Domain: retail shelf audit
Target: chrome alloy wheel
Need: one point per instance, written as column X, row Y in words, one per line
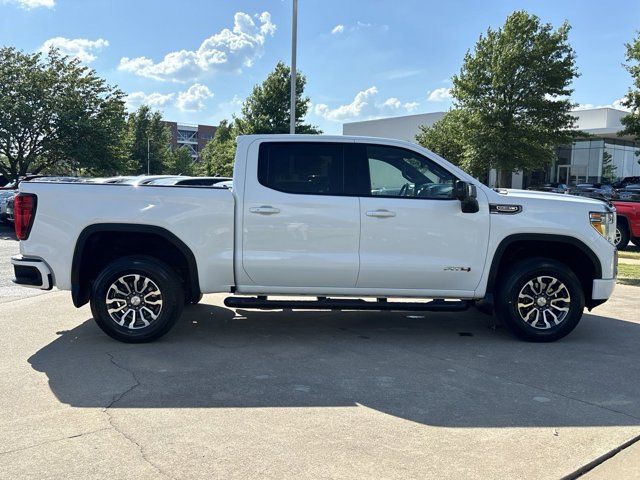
column 618, row 237
column 134, row 301
column 544, row 302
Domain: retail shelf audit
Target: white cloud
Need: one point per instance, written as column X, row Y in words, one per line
column 31, row 4
column 439, row 94
column 227, row 50
column 81, row 48
column 192, row 99
column 364, row 105
column 338, row 29
column 411, row 106
column 189, row 100
column 136, row 99
column 617, row 104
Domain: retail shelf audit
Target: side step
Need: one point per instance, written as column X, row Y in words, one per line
column 324, row 303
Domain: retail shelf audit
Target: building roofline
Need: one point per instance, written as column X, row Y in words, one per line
column 397, row 116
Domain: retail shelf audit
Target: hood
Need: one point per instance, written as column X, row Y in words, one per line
column 557, row 197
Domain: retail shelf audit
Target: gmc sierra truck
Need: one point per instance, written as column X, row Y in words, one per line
column 345, row 223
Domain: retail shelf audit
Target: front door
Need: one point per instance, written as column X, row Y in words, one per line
column 414, row 235
column 300, row 226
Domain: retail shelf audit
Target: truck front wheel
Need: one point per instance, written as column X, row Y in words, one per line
column 539, row 300
column 136, row 299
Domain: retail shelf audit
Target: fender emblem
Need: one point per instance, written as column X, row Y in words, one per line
column 457, row 269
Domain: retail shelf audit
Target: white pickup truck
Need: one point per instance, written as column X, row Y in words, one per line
column 346, row 223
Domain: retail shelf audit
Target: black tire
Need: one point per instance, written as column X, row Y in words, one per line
column 625, row 236
column 162, row 279
column 540, row 328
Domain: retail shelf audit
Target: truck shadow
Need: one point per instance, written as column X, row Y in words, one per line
column 449, row 369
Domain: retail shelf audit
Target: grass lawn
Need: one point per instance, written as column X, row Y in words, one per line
column 629, row 274
column 633, row 253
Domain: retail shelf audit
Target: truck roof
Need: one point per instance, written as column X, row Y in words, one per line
column 286, row 137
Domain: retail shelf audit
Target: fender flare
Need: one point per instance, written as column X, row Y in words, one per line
column 80, row 293
column 538, row 237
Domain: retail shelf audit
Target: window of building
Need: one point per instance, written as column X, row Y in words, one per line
column 397, row 172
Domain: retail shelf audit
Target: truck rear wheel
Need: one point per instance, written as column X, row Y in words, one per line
column 136, row 299
column 540, row 300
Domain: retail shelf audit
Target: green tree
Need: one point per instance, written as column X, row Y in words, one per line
column 631, row 122
column 57, row 115
column 146, row 131
column 608, row 167
column 514, row 90
column 218, row 155
column 267, row 109
column 445, row 137
column 180, row 162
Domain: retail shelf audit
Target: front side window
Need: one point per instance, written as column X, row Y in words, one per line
column 397, row 172
column 312, row 168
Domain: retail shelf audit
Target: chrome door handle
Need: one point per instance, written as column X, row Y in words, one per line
column 265, row 210
column 380, row 213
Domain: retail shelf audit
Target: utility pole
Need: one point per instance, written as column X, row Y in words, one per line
column 294, row 41
column 148, row 163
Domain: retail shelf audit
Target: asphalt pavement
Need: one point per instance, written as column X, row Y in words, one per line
column 352, row 395
column 8, row 248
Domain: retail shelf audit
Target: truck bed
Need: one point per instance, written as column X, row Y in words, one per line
column 202, row 217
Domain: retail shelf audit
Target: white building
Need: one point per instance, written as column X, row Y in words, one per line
column 582, row 161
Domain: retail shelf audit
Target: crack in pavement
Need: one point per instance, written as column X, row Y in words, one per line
column 111, row 419
column 77, row 435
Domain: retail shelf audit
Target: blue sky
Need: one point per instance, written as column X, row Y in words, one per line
column 196, row 60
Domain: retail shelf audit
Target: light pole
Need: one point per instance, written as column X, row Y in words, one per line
column 148, row 156
column 294, row 41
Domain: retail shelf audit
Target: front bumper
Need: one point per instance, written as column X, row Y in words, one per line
column 602, row 289
column 32, row 273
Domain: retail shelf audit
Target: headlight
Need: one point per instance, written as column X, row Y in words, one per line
column 604, row 223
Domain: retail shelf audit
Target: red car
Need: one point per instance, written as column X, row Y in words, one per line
column 628, row 227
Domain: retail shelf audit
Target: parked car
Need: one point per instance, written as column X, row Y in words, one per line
column 6, row 213
column 9, row 209
column 554, row 188
column 601, row 191
column 628, row 222
column 304, row 218
column 192, row 181
column 626, row 181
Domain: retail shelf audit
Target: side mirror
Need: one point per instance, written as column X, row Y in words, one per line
column 467, row 194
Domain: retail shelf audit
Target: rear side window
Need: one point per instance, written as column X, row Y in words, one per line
column 312, row 168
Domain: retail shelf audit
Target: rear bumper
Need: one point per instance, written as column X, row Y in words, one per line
column 602, row 289
column 32, row 272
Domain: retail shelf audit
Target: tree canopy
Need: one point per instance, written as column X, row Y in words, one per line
column 267, row 109
column 55, row 112
column 632, row 101
column 218, row 155
column 145, row 128
column 512, row 94
column 180, row 162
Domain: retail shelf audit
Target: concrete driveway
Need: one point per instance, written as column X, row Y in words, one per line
column 315, row 395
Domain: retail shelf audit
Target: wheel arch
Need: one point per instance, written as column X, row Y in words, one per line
column 180, row 255
column 568, row 250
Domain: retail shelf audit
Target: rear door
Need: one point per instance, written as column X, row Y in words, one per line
column 414, row 234
column 301, row 223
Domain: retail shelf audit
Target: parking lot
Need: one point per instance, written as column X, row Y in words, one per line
column 272, row 394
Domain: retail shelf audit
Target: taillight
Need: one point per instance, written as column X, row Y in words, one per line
column 24, row 211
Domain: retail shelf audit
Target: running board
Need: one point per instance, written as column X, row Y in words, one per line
column 324, row 303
